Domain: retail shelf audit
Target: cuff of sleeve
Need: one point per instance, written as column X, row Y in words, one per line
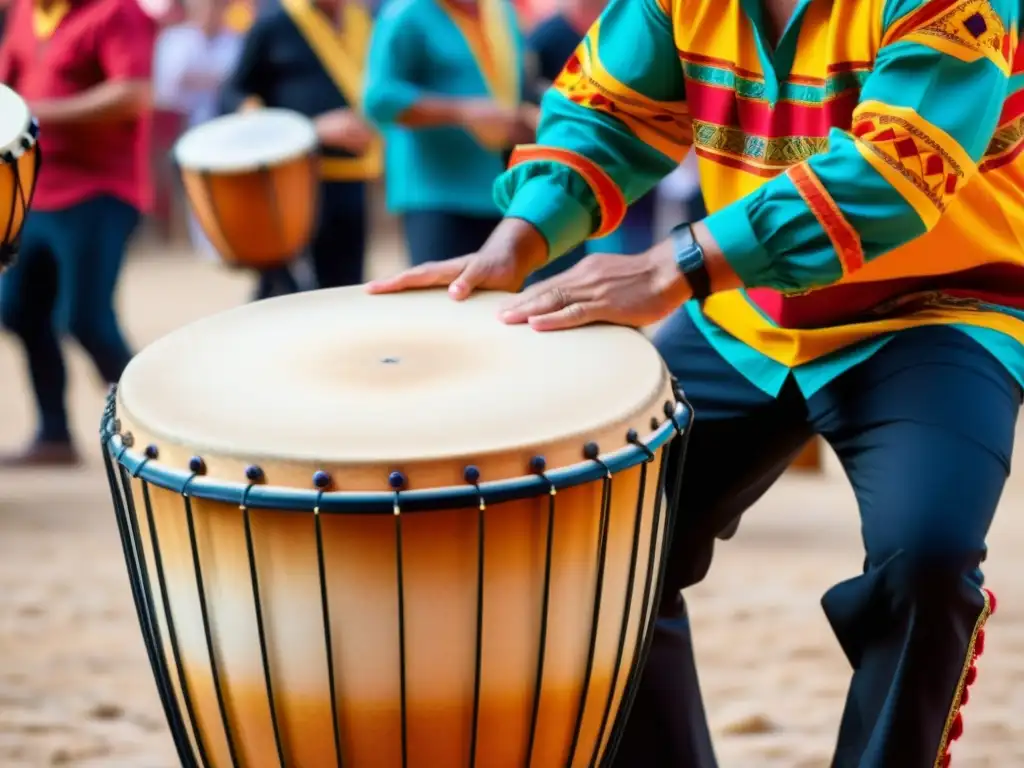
column 558, row 216
column 384, row 105
column 735, row 236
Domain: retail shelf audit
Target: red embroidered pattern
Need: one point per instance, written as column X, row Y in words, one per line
column 844, row 237
column 954, row 728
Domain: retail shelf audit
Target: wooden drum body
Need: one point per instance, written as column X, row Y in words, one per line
column 440, row 547
column 19, row 168
column 252, row 181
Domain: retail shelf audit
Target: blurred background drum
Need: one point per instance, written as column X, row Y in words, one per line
column 19, row 167
column 252, row 180
column 387, row 531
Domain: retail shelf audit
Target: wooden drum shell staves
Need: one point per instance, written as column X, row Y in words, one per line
column 252, row 181
column 19, row 167
column 331, row 572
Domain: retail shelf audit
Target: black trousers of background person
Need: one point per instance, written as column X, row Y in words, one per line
column 442, row 235
column 338, row 247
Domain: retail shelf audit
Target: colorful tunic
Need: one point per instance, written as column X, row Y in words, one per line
column 864, row 174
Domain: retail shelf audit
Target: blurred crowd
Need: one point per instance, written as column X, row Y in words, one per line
column 199, row 45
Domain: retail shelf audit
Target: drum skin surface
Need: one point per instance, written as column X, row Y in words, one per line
column 252, row 180
column 15, row 121
column 491, row 634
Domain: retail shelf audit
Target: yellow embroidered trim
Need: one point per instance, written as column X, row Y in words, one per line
column 665, row 126
column 339, row 56
column 968, row 30
column 492, row 46
column 46, row 20
column 921, row 161
column 362, row 168
column 954, row 709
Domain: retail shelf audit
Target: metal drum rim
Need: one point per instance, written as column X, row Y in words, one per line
column 256, row 496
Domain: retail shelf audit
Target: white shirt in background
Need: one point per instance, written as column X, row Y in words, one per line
column 682, row 184
column 184, row 53
column 189, row 69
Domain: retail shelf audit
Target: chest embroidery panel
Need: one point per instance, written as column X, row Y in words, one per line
column 735, row 124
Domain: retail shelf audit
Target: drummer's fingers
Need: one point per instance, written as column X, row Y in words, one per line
column 539, row 299
column 473, row 276
column 429, row 275
column 570, row 316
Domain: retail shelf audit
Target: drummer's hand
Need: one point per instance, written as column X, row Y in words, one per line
column 511, row 253
column 624, row 290
column 343, row 129
column 529, row 117
column 492, row 125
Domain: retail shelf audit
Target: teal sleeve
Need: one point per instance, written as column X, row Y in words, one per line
column 773, row 238
column 390, row 87
column 637, row 51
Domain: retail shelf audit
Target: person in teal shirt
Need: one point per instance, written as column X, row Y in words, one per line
column 447, row 97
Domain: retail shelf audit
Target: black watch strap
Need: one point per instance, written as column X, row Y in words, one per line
column 690, row 259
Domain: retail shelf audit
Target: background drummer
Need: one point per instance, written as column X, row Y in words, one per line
column 444, row 83
column 308, row 58
column 84, row 68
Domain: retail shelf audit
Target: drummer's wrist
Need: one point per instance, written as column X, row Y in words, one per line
column 521, row 239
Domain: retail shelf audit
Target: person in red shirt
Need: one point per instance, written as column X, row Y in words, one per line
column 83, row 66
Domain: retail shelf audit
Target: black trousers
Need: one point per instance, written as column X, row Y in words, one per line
column 924, row 429
column 63, row 283
column 443, row 235
column 338, row 247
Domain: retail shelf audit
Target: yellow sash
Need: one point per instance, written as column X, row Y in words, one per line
column 46, row 20
column 491, row 40
column 343, row 57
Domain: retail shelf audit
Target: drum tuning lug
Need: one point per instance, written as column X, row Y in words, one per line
column 591, row 451
column 127, row 439
column 152, row 451
column 471, row 474
column 116, row 425
column 321, row 479
column 253, row 473
column 538, row 464
column 670, row 408
column 197, row 466
column 654, row 422
column 396, row 480
column 632, row 436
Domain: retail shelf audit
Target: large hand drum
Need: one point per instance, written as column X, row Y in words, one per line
column 391, row 532
column 19, row 168
column 252, row 179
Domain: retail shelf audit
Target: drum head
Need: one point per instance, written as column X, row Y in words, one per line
column 245, row 141
column 14, row 119
column 345, row 378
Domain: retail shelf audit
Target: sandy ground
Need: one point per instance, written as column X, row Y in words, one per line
column 75, row 689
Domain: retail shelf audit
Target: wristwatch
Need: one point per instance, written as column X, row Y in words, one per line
column 690, row 260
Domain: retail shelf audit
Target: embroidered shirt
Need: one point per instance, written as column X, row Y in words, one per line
column 864, row 175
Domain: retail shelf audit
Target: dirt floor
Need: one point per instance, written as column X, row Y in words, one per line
column 75, row 689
